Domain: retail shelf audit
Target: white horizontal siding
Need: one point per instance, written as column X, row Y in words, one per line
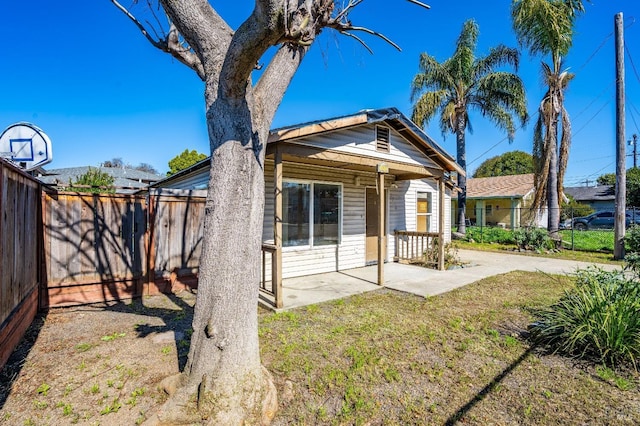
column 350, row 253
column 361, row 140
column 402, row 209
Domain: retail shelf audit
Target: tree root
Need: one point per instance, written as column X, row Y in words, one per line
column 239, row 404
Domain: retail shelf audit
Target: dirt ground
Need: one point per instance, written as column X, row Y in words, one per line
column 108, row 361
column 380, row 358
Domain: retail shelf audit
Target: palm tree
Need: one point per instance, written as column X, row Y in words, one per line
column 545, row 27
column 464, row 82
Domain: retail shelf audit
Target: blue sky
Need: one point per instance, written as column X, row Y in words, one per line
column 85, row 75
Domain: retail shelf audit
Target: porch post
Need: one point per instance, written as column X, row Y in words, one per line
column 441, row 210
column 382, row 169
column 276, row 260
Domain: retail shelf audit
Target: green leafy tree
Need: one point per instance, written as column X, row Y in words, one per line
column 464, row 82
column 94, row 181
column 545, row 27
column 184, row 160
column 633, row 184
column 509, row 163
column 573, row 208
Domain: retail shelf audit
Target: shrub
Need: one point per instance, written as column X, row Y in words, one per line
column 431, row 255
column 632, row 261
column 632, row 239
column 574, row 209
column 94, row 181
column 598, row 319
column 532, row 238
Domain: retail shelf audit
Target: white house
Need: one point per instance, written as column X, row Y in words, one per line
column 323, row 183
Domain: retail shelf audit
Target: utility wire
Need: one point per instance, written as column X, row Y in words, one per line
column 633, row 117
column 633, row 65
column 606, row 89
column 595, row 52
column 591, row 119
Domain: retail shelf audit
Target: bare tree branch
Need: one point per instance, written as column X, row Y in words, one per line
column 203, row 30
column 358, row 39
column 419, row 3
column 275, row 79
column 143, row 30
column 170, row 44
column 342, row 28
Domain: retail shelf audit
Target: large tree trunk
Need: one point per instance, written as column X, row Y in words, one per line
column 223, row 382
column 462, row 180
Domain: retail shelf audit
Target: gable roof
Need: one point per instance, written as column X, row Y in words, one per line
column 500, row 186
column 390, row 116
column 591, row 193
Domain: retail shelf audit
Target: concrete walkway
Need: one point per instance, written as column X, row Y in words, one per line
column 312, row 289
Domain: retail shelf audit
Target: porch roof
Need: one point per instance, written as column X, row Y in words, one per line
column 287, row 137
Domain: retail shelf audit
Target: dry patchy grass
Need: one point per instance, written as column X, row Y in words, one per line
column 379, row 358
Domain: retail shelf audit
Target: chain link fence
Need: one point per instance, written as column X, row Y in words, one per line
column 580, row 229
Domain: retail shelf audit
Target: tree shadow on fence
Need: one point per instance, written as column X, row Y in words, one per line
column 97, row 249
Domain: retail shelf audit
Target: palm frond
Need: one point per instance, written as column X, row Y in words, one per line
column 544, row 27
column 565, row 145
column 498, row 56
column 463, row 59
column 431, row 76
column 448, row 118
column 541, row 161
column 428, row 105
column 505, row 89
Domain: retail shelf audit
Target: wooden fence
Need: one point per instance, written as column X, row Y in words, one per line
column 95, row 247
column 19, row 255
column 87, row 248
column 175, row 239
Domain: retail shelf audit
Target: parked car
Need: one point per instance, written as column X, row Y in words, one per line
column 600, row 220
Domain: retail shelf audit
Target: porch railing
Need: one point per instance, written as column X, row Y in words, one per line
column 269, row 288
column 411, row 245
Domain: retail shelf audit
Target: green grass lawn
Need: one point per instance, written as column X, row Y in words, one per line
column 582, row 256
column 391, row 358
column 596, row 241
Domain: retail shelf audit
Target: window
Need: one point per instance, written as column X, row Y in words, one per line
column 326, row 214
column 487, row 210
column 310, row 209
column 423, row 212
column 382, row 138
column 295, row 212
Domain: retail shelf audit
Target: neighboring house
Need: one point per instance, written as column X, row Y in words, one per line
column 601, row 197
column 126, row 181
column 501, row 201
column 330, row 174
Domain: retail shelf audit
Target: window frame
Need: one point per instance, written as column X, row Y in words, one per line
column 429, row 213
column 310, row 219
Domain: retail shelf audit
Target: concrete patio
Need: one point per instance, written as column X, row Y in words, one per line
column 312, row 289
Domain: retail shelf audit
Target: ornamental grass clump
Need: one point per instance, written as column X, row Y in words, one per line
column 599, row 319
